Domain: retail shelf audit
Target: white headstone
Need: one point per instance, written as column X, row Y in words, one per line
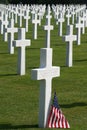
column 69, row 38
column 35, row 21
column 73, row 15
column 79, row 26
column 1, row 19
column 45, row 74
column 20, row 14
column 5, row 25
column 68, row 16
column 16, row 14
column 83, row 21
column 11, row 30
column 60, row 21
column 48, row 27
column 21, row 43
column 26, row 17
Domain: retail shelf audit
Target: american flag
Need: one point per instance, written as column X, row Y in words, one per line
column 56, row 119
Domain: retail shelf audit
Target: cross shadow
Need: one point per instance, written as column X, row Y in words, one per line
column 13, row 127
column 33, row 48
column 80, row 104
column 58, row 44
column 80, row 60
column 4, row 53
column 2, row 75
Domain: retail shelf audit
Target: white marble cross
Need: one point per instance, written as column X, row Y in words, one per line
column 21, row 43
column 79, row 26
column 16, row 14
column 11, row 30
column 35, row 21
column 82, row 19
column 68, row 15
column 73, row 15
column 60, row 21
column 1, row 19
column 48, row 27
column 33, row 15
column 45, row 74
column 69, row 38
column 20, row 14
column 26, row 17
column 5, row 25
column 40, row 16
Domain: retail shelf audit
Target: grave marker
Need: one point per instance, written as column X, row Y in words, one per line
column 69, row 38
column 68, row 16
column 11, row 30
column 26, row 17
column 45, row 74
column 21, row 43
column 48, row 27
column 60, row 21
column 5, row 25
column 79, row 26
column 35, row 21
column 20, row 14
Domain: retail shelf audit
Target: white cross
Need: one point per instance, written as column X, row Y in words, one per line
column 79, row 26
column 40, row 17
column 11, row 30
column 82, row 19
column 26, row 17
column 69, row 38
column 33, row 15
column 5, row 25
column 20, row 14
column 68, row 15
column 60, row 20
column 21, row 43
column 1, row 19
column 16, row 14
column 48, row 28
column 73, row 14
column 45, row 74
column 35, row 22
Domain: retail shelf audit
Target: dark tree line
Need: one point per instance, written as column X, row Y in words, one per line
column 44, row 1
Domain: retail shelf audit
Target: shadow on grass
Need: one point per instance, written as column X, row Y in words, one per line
column 57, row 44
column 76, row 104
column 8, row 75
column 4, row 53
column 13, row 127
column 80, row 60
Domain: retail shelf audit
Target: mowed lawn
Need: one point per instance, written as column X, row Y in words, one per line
column 19, row 95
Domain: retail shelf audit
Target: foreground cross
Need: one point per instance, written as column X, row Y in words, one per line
column 45, row 74
column 69, row 38
column 21, row 43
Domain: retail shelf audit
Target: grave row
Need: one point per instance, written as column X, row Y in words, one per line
column 11, row 14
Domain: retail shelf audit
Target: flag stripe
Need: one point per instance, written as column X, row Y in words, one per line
column 56, row 118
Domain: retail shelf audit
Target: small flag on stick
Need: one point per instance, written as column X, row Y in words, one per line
column 56, row 119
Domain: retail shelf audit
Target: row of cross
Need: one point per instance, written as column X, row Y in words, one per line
column 46, row 71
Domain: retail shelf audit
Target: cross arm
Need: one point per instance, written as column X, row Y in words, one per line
column 9, row 30
column 20, row 43
column 45, row 73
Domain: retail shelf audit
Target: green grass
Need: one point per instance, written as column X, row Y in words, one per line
column 19, row 95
